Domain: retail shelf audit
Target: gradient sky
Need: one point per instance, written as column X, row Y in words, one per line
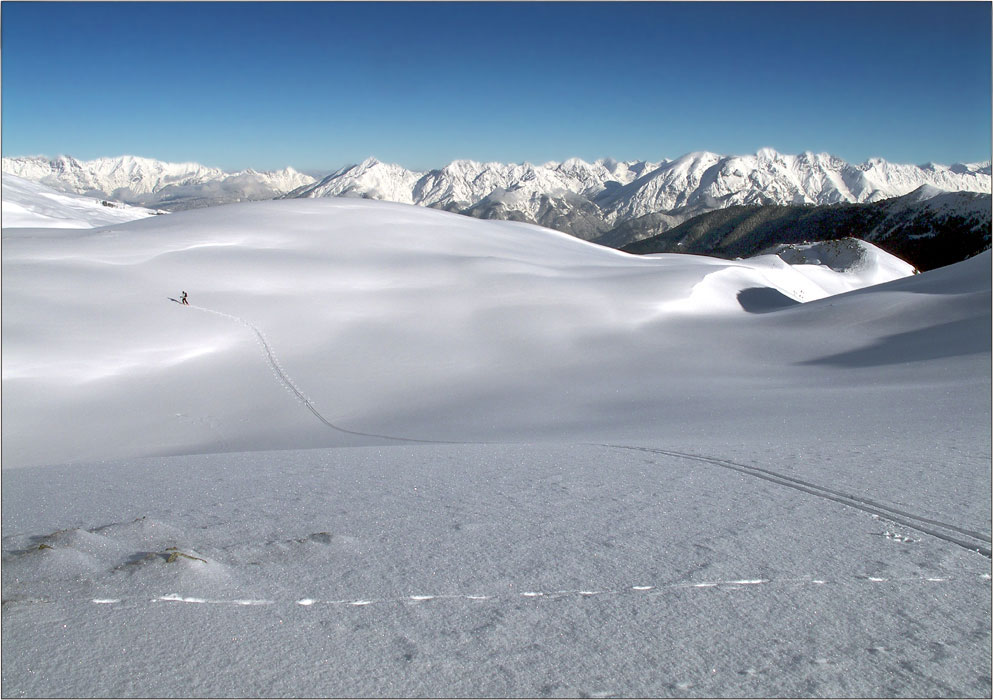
column 320, row 85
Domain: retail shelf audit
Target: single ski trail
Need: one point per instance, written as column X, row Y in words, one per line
column 273, row 361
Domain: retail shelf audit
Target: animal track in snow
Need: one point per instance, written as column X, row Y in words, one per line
column 897, row 537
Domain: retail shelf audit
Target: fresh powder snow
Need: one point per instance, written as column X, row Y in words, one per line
column 390, row 451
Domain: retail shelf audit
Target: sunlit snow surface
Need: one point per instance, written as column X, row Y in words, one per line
column 653, row 476
column 29, row 204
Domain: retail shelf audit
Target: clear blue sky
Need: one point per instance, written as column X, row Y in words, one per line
column 319, row 85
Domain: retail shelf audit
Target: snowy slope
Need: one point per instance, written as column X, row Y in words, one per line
column 420, row 455
column 423, row 308
column 936, row 202
column 28, row 204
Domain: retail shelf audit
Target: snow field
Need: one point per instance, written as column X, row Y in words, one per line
column 440, row 565
column 680, row 485
column 399, row 315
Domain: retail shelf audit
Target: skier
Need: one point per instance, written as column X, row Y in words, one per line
column 182, row 299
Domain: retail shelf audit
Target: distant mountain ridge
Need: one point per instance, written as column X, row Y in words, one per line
column 584, row 199
column 153, row 183
column 930, row 215
column 590, row 199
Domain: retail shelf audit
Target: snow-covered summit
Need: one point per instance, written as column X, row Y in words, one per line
column 370, row 179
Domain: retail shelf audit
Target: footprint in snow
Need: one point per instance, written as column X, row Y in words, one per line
column 897, row 537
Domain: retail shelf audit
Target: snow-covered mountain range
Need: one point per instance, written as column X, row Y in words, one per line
column 584, row 199
column 153, row 183
column 589, row 199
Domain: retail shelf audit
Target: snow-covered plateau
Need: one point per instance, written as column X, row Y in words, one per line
column 396, row 452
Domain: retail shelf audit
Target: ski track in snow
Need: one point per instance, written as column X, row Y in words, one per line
column 277, row 369
column 968, row 539
column 644, row 592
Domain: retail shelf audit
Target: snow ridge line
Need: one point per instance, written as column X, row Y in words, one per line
column 975, row 542
column 642, row 591
column 289, row 385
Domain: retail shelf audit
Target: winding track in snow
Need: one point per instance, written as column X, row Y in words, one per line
column 969, row 539
column 286, row 381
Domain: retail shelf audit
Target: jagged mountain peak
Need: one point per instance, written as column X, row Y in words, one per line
column 370, row 162
column 768, row 153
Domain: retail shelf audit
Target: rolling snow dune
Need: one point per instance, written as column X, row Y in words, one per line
column 382, row 318
column 393, row 452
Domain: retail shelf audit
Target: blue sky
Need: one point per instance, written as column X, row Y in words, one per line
column 320, row 85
